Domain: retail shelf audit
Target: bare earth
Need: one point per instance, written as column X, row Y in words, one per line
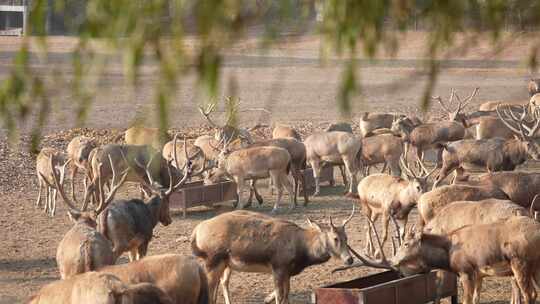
column 288, row 80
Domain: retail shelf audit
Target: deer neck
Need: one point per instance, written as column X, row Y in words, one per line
column 435, row 251
column 154, row 205
column 316, row 250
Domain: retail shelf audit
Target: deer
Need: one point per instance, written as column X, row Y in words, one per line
column 387, row 196
column 335, row 147
column 226, row 132
column 98, row 288
column 519, row 187
column 533, row 86
column 380, row 123
column 431, row 202
column 141, row 136
column 254, row 163
column 180, row 277
column 253, row 242
column 45, row 173
column 83, row 248
column 129, row 224
column 297, row 151
column 495, row 154
column 284, row 131
column 383, row 148
column 127, row 156
column 194, row 155
column 507, row 247
column 343, row 127
column 78, row 150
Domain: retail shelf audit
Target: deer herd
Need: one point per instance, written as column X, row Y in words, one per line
column 474, row 226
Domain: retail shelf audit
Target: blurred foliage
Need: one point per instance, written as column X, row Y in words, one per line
column 157, row 30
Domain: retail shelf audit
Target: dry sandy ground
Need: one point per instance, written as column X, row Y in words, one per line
column 290, row 81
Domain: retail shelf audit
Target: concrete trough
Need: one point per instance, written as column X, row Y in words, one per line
column 389, row 288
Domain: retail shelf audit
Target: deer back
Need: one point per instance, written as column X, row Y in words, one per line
column 283, row 131
column 437, row 132
column 296, row 149
column 180, row 277
column 257, row 160
column 373, row 121
column 379, row 148
column 332, row 145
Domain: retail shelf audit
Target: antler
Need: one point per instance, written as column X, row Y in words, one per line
column 345, row 221
column 206, row 113
column 104, row 202
column 463, row 104
column 450, row 101
column 508, row 117
column 58, row 184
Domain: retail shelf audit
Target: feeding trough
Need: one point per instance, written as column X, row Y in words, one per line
column 196, row 194
column 389, row 288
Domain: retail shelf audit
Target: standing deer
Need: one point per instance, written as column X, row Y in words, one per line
column 431, row 202
column 343, row 127
column 98, row 288
column 335, row 147
column 520, row 187
column 180, row 277
column 253, row 242
column 495, row 154
column 78, row 150
column 129, row 224
column 503, row 248
column 83, row 248
column 384, row 148
column 390, row 196
column 284, row 131
column 254, row 163
column 45, row 173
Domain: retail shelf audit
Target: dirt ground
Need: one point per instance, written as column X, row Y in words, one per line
column 290, row 81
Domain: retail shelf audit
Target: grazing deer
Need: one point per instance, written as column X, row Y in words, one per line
column 45, row 173
column 336, row 148
column 431, row 202
column 495, row 154
column 284, row 131
column 226, row 132
column 98, row 288
column 211, row 147
column 83, row 248
column 390, row 196
column 129, row 224
column 297, row 150
column 254, row 163
column 180, row 277
column 503, row 248
column 384, row 148
column 253, row 242
column 78, row 150
column 141, row 136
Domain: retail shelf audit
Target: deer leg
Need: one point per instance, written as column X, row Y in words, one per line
column 516, row 294
column 522, row 275
column 285, row 182
column 240, row 182
column 477, row 289
column 343, row 175
column 53, row 201
column 142, row 250
column 257, row 195
column 304, row 187
column 47, row 197
column 385, row 221
column 281, row 286
column 214, row 275
column 384, row 166
column 133, row 254
column 316, row 166
column 351, row 170
column 271, row 186
column 225, row 279
column 468, row 287
column 40, row 187
column 275, row 176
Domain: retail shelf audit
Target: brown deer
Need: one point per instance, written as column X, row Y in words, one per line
column 78, row 150
column 431, row 202
column 502, row 248
column 254, row 163
column 519, row 187
column 373, row 121
column 253, row 242
column 343, row 127
column 384, row 148
column 284, row 131
column 141, row 136
column 297, row 150
column 83, row 248
column 129, row 224
column 336, row 148
column 494, row 154
column 45, row 173
column 386, row 196
column 193, row 155
column 180, row 277
column 98, row 288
